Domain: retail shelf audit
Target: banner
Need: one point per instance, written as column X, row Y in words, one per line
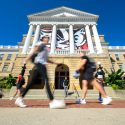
column 63, row 38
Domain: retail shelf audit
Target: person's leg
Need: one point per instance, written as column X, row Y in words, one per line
column 84, row 92
column 54, row 103
column 106, row 99
column 65, row 91
column 19, row 101
column 84, row 88
column 31, row 81
column 99, row 87
column 43, row 71
column 14, row 95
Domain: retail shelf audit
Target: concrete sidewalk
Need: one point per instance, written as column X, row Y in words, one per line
column 75, row 116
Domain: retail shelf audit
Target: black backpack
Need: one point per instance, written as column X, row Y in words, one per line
column 90, row 65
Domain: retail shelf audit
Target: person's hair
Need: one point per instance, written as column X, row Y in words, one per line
column 82, row 54
column 45, row 37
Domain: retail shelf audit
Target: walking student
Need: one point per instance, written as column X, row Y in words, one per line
column 87, row 67
column 100, row 75
column 20, row 82
column 39, row 57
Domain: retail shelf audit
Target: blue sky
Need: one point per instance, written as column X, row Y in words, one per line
column 14, row 22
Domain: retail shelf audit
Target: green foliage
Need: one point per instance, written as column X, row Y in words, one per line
column 115, row 80
column 7, row 82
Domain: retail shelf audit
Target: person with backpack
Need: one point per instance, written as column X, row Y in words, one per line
column 100, row 76
column 39, row 57
column 87, row 69
column 19, row 83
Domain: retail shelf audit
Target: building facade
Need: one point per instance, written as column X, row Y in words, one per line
column 71, row 32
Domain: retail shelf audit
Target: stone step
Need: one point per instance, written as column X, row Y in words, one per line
column 58, row 94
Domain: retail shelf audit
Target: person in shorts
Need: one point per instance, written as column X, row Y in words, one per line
column 87, row 69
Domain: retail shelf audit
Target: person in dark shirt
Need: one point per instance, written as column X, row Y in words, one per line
column 87, row 69
column 100, row 75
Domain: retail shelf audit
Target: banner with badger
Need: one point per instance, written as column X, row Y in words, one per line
column 63, row 38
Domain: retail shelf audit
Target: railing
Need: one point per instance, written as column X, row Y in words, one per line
column 9, row 47
column 116, row 47
column 67, row 52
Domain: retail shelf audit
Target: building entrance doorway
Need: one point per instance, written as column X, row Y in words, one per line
column 61, row 73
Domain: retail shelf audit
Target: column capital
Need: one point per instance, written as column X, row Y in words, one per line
column 38, row 24
column 31, row 24
column 54, row 24
column 71, row 24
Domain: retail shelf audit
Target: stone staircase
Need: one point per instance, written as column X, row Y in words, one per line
column 58, row 94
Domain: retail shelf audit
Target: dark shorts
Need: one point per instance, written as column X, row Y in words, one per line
column 87, row 75
column 19, row 86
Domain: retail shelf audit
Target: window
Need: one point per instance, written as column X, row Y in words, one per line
column 1, row 56
column 117, row 57
column 5, row 67
column 9, row 56
column 120, row 66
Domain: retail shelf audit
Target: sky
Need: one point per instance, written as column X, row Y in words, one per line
column 14, row 22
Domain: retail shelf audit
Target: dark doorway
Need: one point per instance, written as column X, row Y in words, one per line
column 61, row 73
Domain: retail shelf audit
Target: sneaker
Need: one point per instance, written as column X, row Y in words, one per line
column 57, row 104
column 11, row 98
column 100, row 99
column 106, row 101
column 81, row 101
column 19, row 102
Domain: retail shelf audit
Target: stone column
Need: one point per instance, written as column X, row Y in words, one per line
column 71, row 39
column 97, row 40
column 89, row 39
column 27, row 41
column 36, row 36
column 53, row 41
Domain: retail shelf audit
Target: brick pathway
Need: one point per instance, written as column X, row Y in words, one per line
column 70, row 104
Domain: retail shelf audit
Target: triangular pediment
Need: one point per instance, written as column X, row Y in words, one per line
column 63, row 12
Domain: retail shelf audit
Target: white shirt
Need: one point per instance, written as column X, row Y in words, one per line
column 42, row 56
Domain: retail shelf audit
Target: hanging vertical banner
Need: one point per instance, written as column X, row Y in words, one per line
column 63, row 38
column 45, row 32
column 80, row 39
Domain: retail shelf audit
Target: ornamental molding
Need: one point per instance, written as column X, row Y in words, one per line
column 63, row 14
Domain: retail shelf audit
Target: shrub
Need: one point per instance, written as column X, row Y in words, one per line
column 7, row 82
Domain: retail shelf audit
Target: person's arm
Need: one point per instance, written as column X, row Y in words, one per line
column 52, row 62
column 29, row 57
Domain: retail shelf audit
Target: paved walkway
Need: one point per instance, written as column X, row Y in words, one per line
column 38, row 113
column 75, row 116
column 70, row 104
